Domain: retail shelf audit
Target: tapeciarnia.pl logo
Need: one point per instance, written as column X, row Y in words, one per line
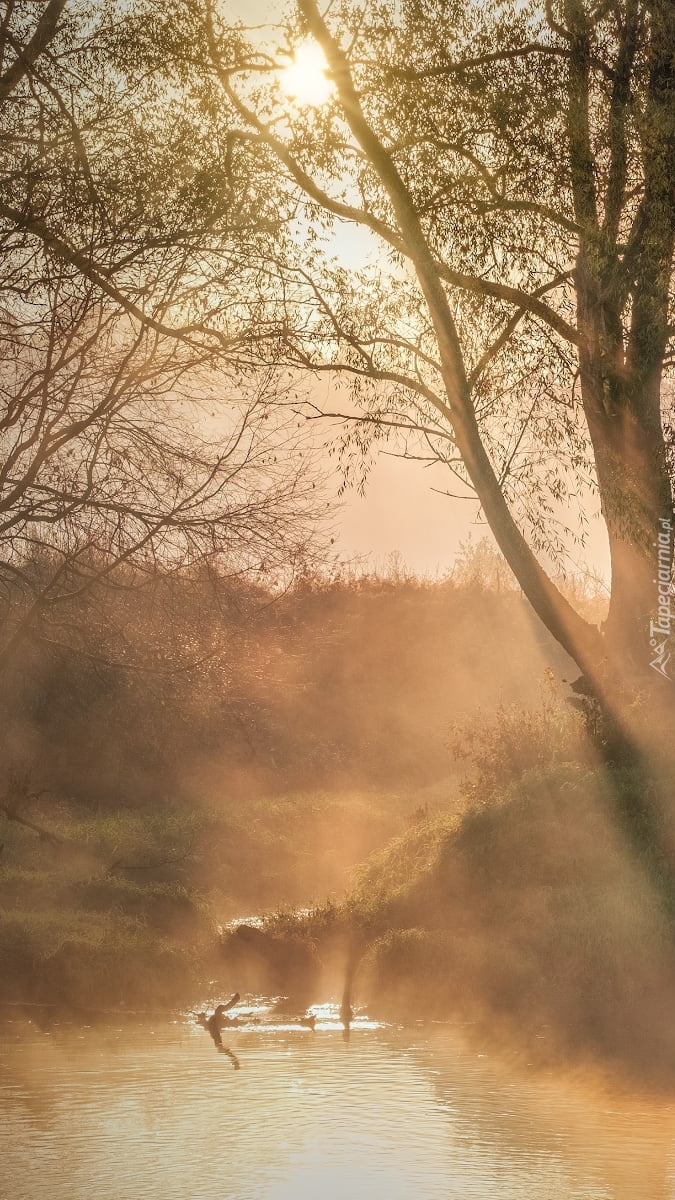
column 659, row 630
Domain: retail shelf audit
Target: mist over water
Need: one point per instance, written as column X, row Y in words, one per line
column 151, row 1112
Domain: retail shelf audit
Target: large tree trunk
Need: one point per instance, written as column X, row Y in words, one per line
column 622, row 288
column 636, row 502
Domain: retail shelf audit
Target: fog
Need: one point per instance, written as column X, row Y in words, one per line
column 366, row 751
column 216, row 694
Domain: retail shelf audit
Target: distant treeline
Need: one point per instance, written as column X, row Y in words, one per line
column 127, row 695
column 180, row 750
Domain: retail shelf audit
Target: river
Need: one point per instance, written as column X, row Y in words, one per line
column 148, row 1109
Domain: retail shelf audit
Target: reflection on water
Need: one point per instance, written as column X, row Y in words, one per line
column 149, row 1112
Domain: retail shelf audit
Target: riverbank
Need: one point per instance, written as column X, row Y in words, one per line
column 528, row 916
column 519, row 911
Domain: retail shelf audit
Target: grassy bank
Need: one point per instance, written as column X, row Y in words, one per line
column 123, row 906
column 527, row 914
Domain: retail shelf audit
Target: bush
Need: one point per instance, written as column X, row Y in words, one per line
column 519, row 740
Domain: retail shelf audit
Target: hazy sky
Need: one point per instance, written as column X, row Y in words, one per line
column 401, row 513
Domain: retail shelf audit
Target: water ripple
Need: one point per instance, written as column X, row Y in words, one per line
column 153, row 1113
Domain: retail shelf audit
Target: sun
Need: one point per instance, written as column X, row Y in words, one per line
column 305, row 79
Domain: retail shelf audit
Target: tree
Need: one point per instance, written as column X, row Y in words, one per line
column 133, row 428
column 515, row 163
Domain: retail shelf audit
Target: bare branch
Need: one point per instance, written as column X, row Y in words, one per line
column 27, row 56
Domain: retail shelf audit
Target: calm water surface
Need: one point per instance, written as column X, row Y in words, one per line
column 150, row 1111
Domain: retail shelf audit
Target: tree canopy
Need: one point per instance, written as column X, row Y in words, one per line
column 506, row 310
column 511, row 167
